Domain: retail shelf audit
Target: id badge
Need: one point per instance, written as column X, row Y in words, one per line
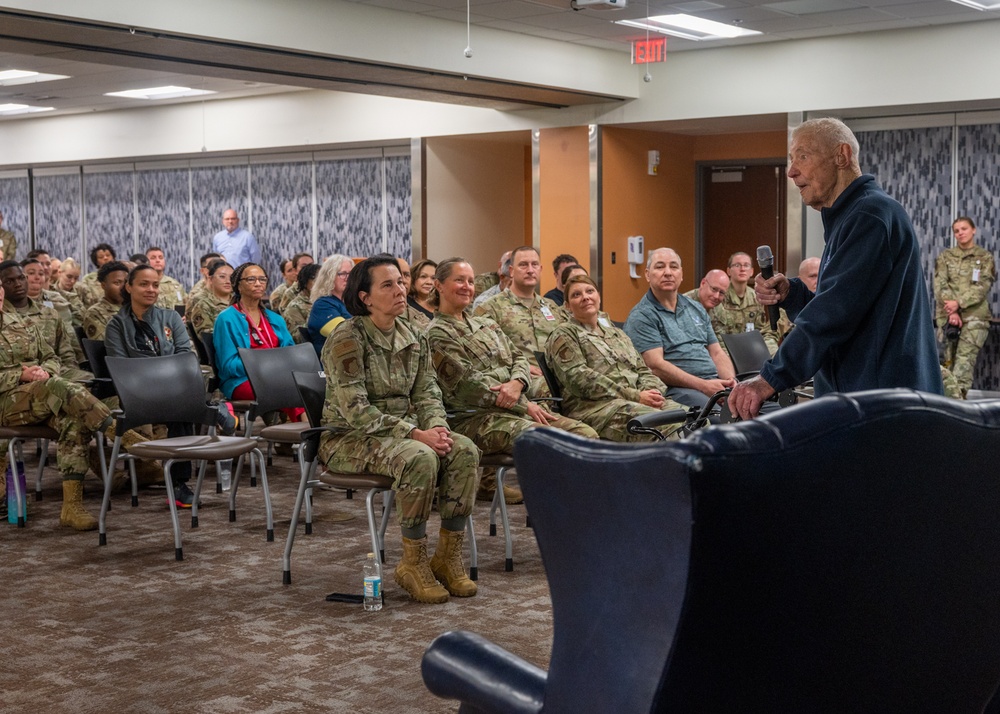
column 751, row 327
column 547, row 313
column 975, row 275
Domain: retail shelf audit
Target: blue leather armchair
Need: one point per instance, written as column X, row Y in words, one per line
column 842, row 555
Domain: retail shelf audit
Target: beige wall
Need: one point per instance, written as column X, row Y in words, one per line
column 475, row 198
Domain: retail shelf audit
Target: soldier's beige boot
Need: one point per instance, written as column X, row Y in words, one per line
column 447, row 564
column 414, row 575
column 73, row 514
column 488, row 487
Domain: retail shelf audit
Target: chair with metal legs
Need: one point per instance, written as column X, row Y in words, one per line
column 16, row 435
column 179, row 397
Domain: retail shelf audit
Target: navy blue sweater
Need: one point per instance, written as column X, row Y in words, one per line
column 869, row 324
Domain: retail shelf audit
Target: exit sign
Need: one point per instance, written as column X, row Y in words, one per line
column 648, row 51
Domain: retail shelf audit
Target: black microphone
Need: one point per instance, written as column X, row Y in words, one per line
column 765, row 261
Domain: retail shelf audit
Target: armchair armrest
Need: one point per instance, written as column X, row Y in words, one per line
column 467, row 667
column 648, row 423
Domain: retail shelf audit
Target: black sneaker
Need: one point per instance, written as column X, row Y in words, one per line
column 228, row 424
column 183, row 495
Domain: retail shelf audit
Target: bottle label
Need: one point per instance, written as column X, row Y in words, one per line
column 373, row 586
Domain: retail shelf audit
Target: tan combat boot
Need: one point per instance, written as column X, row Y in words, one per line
column 414, row 575
column 488, row 487
column 73, row 514
column 447, row 564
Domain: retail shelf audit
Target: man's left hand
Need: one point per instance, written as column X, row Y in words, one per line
column 747, row 397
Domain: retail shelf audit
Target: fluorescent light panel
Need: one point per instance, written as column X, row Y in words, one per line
column 170, row 92
column 689, row 27
column 11, row 109
column 978, row 5
column 10, row 77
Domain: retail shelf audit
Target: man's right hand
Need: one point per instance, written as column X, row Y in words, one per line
column 771, row 291
column 711, row 386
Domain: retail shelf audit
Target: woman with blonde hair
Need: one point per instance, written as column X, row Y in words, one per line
column 328, row 308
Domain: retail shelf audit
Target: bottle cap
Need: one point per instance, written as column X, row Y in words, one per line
column 371, row 555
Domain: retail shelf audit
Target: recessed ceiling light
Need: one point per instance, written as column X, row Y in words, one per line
column 978, row 5
column 10, row 109
column 9, row 77
column 689, row 27
column 170, row 92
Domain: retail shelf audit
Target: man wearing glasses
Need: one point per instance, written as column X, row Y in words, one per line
column 237, row 245
column 739, row 310
column 711, row 290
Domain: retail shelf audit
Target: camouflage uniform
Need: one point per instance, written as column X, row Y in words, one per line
column 171, row 293
column 97, row 317
column 470, row 356
column 527, row 326
column 277, row 294
column 56, row 335
column 485, row 281
column 55, row 300
column 8, row 242
column 734, row 314
column 954, row 275
column 65, row 406
column 379, row 388
column 203, row 310
column 601, row 376
column 415, row 320
column 199, row 287
column 297, row 315
column 76, row 307
column 286, row 298
column 89, row 289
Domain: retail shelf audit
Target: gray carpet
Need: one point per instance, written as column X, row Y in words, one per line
column 126, row 628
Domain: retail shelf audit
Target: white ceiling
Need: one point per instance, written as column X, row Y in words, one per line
column 95, row 67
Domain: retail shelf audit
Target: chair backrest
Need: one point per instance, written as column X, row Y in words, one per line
column 199, row 348
column 157, row 390
column 96, row 352
column 270, row 374
column 304, row 334
column 834, row 556
column 311, row 386
column 747, row 350
column 208, row 344
column 550, row 377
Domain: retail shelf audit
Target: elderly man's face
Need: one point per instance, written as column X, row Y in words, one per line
column 230, row 220
column 712, row 290
column 813, row 168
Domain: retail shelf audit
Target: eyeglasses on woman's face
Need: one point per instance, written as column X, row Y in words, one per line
column 255, row 279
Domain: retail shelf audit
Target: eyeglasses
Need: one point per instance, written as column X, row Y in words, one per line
column 745, row 266
column 343, row 274
column 255, row 279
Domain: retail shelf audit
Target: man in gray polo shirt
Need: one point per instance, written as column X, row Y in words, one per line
column 675, row 337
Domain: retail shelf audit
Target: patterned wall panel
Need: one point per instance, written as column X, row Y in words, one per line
column 109, row 212
column 58, row 227
column 914, row 166
column 16, row 209
column 349, row 203
column 163, row 198
column 282, row 212
column 978, row 197
column 215, row 189
column 399, row 210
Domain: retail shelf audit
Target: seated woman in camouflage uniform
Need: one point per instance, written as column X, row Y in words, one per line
column 32, row 392
column 381, row 393
column 479, row 368
column 207, row 304
column 297, row 310
column 604, row 381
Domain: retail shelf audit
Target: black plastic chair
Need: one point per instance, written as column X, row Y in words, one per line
column 155, row 390
column 312, row 388
column 748, row 353
column 835, row 556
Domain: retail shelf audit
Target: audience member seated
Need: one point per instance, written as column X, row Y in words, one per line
column 298, row 308
column 112, row 278
column 299, row 260
column 247, row 323
column 202, row 284
column 739, row 310
column 88, row 289
column 207, row 304
column 60, row 336
column 32, row 392
column 674, row 335
column 503, row 280
column 604, row 381
column 328, row 308
column 478, row 368
column 171, row 291
column 382, row 393
column 559, row 265
column 525, row 317
column 420, row 293
column 710, row 290
column 69, row 274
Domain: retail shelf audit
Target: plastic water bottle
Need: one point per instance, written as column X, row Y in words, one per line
column 12, row 496
column 226, row 473
column 373, row 585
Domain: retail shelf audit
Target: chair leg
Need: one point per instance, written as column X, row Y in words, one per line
column 300, row 495
column 373, row 530
column 473, row 550
column 178, row 547
column 20, row 499
column 267, row 492
column 41, row 467
column 102, row 533
column 500, row 502
column 388, row 498
column 202, row 467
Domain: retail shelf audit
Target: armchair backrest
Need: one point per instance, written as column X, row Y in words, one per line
column 844, row 555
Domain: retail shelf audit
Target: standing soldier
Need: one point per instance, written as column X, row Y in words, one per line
column 963, row 276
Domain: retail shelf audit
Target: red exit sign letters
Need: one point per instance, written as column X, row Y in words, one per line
column 649, row 51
